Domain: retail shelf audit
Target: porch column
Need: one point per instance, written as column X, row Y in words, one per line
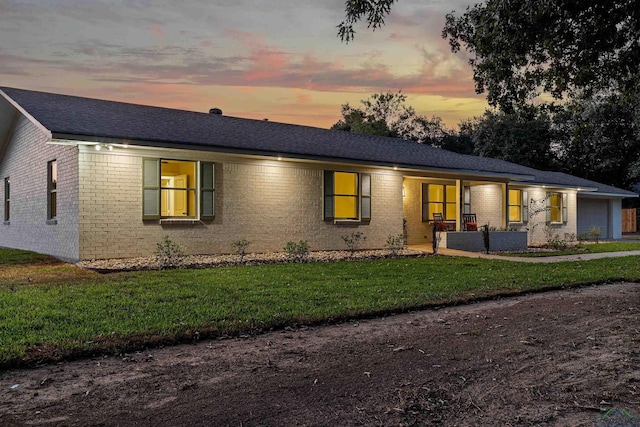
column 459, row 190
column 505, row 205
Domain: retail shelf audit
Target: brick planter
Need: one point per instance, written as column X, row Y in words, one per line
column 471, row 241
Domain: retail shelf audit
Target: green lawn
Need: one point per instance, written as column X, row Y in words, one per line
column 587, row 248
column 16, row 257
column 92, row 313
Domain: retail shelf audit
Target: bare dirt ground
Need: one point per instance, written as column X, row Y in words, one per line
column 555, row 358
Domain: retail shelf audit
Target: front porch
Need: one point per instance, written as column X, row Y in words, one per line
column 452, row 199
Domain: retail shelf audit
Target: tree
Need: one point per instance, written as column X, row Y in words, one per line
column 599, row 139
column 520, row 48
column 561, row 47
column 522, row 137
column 373, row 11
column 461, row 141
column 386, row 114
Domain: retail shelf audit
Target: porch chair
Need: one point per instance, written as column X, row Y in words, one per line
column 470, row 222
column 438, row 222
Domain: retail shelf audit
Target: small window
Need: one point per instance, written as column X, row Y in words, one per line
column 515, row 205
column 347, row 196
column 467, row 200
column 52, row 189
column 7, row 199
column 556, row 208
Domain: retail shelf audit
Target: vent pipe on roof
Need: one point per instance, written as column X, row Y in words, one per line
column 216, row 111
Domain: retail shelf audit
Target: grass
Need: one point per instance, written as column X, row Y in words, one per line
column 587, row 248
column 18, row 257
column 89, row 314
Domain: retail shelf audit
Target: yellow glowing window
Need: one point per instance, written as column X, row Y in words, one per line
column 345, row 195
column 177, row 189
column 515, row 205
column 442, row 200
column 555, row 207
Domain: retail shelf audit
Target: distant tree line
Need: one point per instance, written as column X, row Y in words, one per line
column 583, row 55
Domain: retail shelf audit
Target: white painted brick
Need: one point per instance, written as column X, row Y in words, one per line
column 25, row 162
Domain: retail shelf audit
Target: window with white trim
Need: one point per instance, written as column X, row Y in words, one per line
column 467, row 200
column 515, row 205
column 556, row 208
column 176, row 188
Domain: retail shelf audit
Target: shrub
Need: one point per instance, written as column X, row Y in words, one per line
column 582, row 237
column 594, row 233
column 570, row 237
column 353, row 241
column 168, row 253
column 240, row 248
column 395, row 243
column 297, row 252
column 556, row 243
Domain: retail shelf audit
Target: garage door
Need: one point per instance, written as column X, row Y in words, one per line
column 593, row 212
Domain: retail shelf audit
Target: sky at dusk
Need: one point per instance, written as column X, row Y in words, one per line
column 275, row 59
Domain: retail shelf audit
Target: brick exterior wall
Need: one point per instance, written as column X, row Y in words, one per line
column 25, row 163
column 418, row 232
column 487, row 204
column 268, row 202
column 472, row 241
column 542, row 231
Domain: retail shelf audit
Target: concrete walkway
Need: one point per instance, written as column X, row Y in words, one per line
column 542, row 260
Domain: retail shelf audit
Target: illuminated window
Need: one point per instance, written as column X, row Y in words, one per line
column 175, row 189
column 347, row 196
column 554, row 207
column 515, row 205
column 52, row 189
column 7, row 198
column 178, row 189
column 440, row 199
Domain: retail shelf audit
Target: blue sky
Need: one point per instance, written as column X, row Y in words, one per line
column 277, row 59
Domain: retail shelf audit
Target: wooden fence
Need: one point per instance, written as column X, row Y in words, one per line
column 629, row 221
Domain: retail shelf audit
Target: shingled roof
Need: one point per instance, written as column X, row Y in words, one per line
column 87, row 118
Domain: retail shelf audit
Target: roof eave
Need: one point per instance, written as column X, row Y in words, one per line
column 25, row 113
column 62, row 138
column 578, row 188
column 618, row 195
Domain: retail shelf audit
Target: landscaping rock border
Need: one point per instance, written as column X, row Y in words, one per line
column 227, row 260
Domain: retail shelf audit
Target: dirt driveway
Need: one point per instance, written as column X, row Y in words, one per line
column 556, row 358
